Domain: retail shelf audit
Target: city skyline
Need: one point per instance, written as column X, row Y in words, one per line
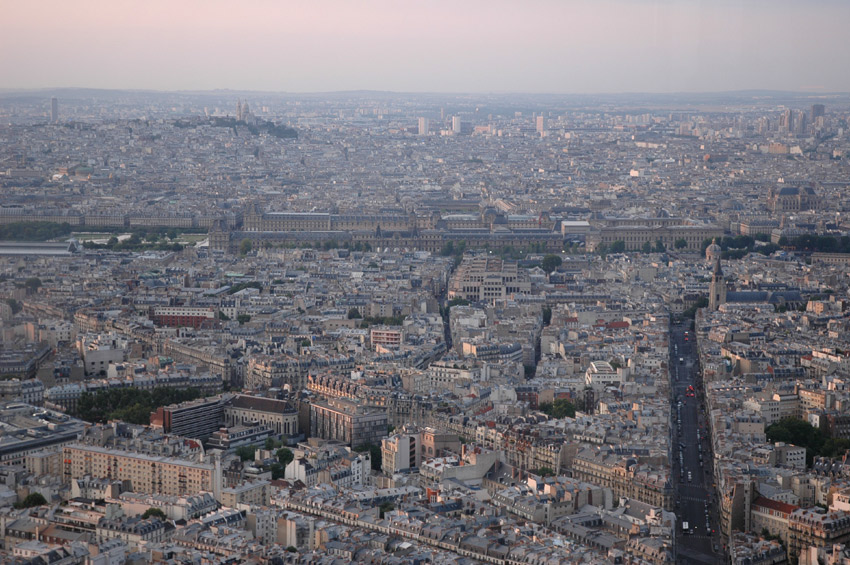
column 546, row 47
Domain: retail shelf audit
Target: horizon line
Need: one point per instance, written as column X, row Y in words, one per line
column 6, row 90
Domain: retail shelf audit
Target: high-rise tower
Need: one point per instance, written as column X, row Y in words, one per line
column 54, row 110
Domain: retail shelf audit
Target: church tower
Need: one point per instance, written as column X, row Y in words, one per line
column 717, row 288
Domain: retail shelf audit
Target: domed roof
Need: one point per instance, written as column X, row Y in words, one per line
column 713, row 251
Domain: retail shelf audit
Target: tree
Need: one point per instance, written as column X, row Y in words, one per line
column 647, row 247
column 245, row 247
column 154, row 513
column 374, row 454
column 278, row 471
column 14, row 305
column 32, row 284
column 32, row 499
column 681, row 243
column 243, row 319
column 618, row 246
column 385, row 507
column 547, row 315
column 545, row 472
column 561, row 408
column 802, row 434
column 659, row 246
column 246, row 452
column 354, row 314
column 285, row 456
column 551, row 262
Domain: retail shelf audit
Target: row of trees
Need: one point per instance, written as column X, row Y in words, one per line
column 44, row 231
column 738, row 246
column 140, row 239
column 818, row 243
column 34, row 231
column 129, row 404
column 619, row 246
column 246, row 245
column 132, row 244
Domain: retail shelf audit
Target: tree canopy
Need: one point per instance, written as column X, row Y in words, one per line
column 34, row 231
column 817, row 441
column 245, row 246
column 561, row 408
column 32, row 499
column 129, row 404
column 154, row 513
column 551, row 262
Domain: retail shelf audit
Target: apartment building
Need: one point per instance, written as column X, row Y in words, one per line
column 145, row 473
column 347, row 422
column 254, row 493
column 196, row 419
column 807, row 527
column 182, row 316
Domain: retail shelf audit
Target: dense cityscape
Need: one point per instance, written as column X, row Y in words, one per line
column 368, row 327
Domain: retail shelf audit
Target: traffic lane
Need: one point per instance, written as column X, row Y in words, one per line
column 691, row 495
column 695, row 492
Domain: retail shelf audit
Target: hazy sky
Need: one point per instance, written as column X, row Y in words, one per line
column 562, row 46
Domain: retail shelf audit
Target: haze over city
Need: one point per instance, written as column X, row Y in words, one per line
column 547, row 46
column 395, row 283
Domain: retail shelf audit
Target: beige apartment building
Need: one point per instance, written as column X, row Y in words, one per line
column 146, row 473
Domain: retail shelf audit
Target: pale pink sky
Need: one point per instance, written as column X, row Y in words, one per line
column 427, row 45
